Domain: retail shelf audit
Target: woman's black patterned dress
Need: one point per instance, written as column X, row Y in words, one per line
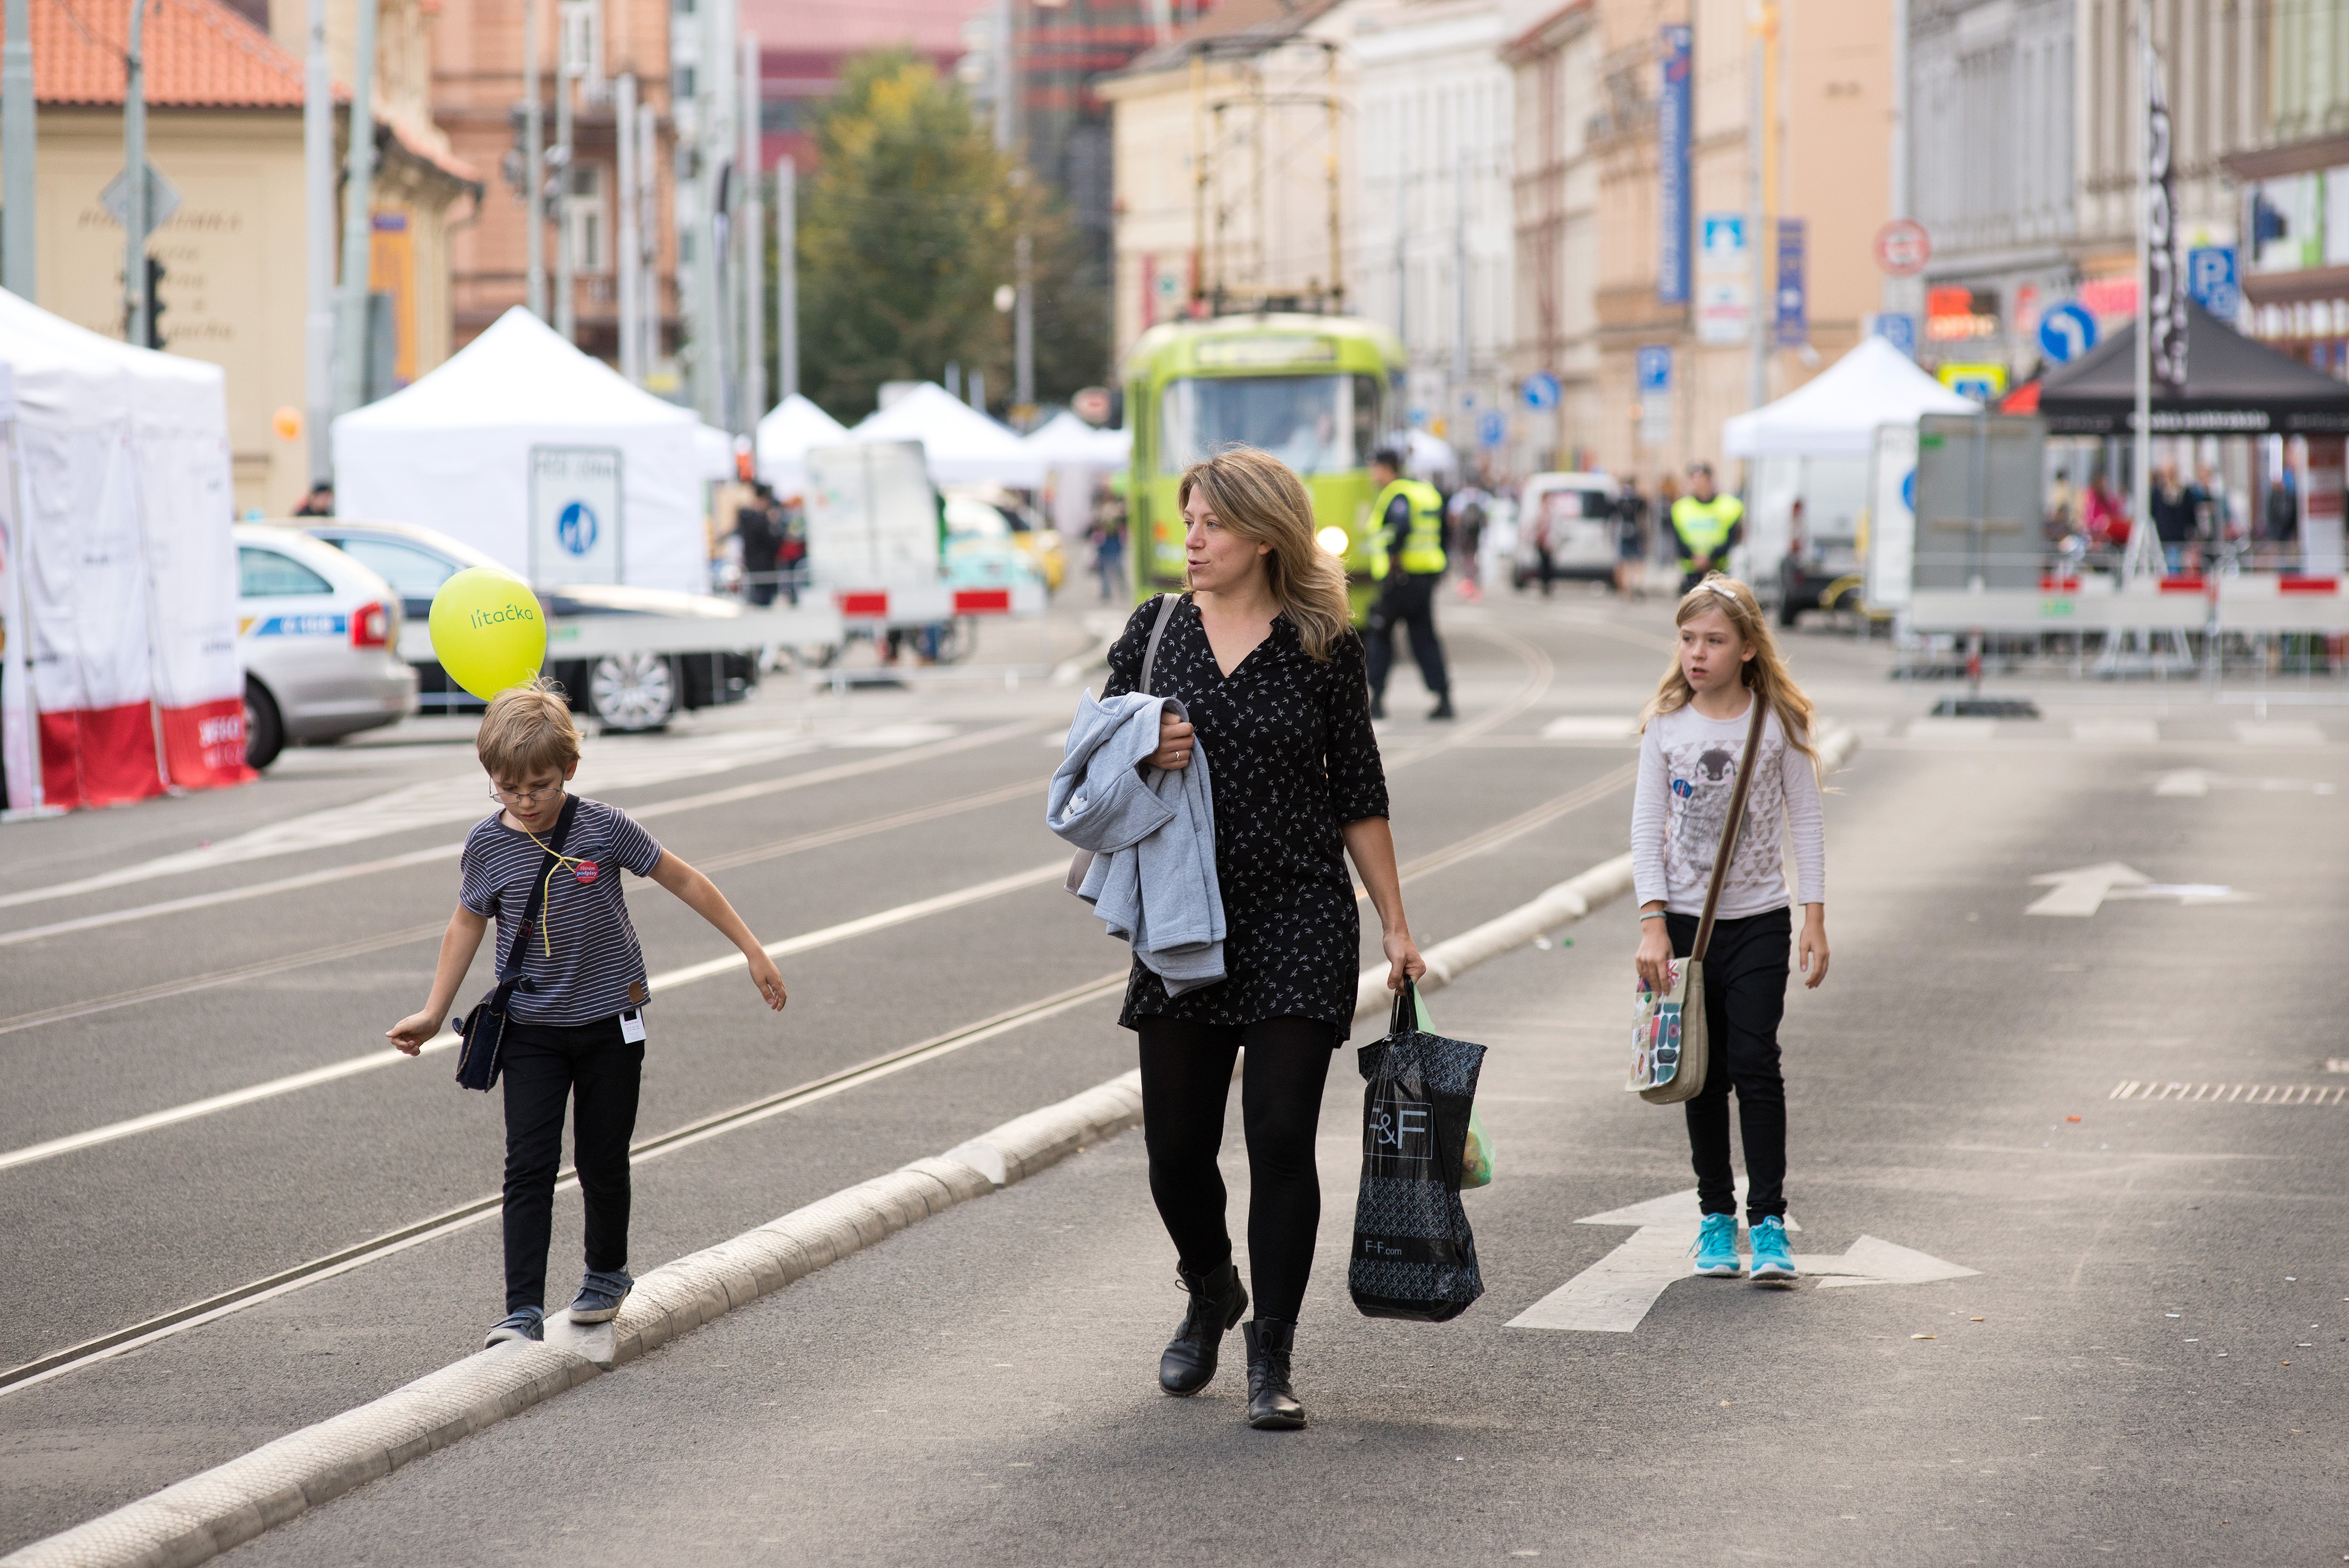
column 1292, row 759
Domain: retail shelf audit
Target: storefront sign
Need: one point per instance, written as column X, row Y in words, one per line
column 1673, row 128
column 1793, row 302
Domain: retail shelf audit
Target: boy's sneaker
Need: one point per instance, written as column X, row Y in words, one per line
column 1716, row 1246
column 523, row 1323
column 600, row 1295
column 1772, row 1262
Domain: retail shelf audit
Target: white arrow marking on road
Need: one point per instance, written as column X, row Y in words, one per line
column 1614, row 1293
column 2196, row 781
column 2084, row 889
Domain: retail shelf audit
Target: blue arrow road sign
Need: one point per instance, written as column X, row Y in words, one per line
column 2066, row 331
column 1490, row 429
column 1539, row 390
column 1655, row 368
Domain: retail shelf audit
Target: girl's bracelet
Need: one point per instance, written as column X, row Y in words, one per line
column 1653, row 915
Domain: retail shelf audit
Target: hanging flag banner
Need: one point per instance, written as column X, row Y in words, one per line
column 1794, row 315
column 1673, row 129
column 2164, row 279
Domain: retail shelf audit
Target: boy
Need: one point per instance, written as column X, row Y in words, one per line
column 576, row 1031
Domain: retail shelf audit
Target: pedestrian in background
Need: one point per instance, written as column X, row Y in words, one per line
column 575, row 1029
column 759, row 523
column 1692, row 745
column 1630, row 538
column 1109, row 550
column 1469, row 509
column 1262, row 655
column 1406, row 561
column 1707, row 525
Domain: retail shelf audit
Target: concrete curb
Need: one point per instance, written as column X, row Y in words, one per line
column 230, row 1504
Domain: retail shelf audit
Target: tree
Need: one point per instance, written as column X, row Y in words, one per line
column 907, row 228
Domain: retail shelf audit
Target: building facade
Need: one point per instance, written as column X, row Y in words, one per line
column 1553, row 59
column 1431, row 246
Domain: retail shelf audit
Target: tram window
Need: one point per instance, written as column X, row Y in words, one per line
column 1303, row 420
column 1366, row 417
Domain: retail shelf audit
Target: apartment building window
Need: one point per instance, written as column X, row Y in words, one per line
column 590, row 219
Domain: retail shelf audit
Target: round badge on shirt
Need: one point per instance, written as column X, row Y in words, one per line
column 584, row 871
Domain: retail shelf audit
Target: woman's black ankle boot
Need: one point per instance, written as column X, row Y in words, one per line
column 1272, row 1403
column 1216, row 1302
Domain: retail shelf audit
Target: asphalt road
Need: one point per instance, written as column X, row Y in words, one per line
column 872, row 1412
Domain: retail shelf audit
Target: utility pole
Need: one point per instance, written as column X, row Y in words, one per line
column 134, row 180
column 1460, row 362
column 1403, row 259
column 318, row 243
column 648, row 293
column 358, row 221
column 1892, row 291
column 787, row 280
column 570, row 68
column 629, row 258
column 751, row 223
column 18, row 162
column 1759, row 32
column 534, row 165
column 2141, row 453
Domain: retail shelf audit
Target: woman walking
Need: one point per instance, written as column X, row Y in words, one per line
column 1690, row 751
column 1264, row 657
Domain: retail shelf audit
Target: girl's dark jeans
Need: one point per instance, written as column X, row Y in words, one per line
column 1746, row 972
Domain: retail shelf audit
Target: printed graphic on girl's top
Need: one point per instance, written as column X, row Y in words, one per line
column 1699, row 757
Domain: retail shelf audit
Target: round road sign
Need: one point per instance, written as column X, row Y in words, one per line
column 1903, row 247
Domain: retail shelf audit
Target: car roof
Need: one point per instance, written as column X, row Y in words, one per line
column 409, row 532
column 1568, row 481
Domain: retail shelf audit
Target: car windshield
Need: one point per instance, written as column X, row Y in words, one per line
column 413, row 574
column 1308, row 422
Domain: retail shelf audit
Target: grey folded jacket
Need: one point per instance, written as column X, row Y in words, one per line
column 1153, row 834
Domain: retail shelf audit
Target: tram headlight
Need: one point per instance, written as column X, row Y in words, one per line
column 1331, row 539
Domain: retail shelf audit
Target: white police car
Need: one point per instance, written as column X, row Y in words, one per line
column 319, row 634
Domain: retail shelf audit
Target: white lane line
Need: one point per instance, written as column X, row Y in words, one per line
column 806, row 942
column 448, row 851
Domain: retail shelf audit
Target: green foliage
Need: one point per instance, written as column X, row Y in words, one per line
column 906, row 228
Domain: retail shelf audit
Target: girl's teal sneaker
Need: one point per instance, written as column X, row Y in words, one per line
column 1716, row 1246
column 1772, row 1262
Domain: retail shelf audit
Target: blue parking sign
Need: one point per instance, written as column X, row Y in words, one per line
column 1655, row 367
column 2212, row 280
column 1491, row 429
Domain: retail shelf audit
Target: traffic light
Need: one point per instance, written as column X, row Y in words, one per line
column 155, row 303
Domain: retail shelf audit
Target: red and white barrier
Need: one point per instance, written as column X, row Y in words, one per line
column 2254, row 602
column 928, row 605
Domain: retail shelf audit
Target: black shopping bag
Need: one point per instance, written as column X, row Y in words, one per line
column 1414, row 1256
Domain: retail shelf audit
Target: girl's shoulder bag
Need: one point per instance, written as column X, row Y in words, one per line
column 1081, row 862
column 1670, row 1052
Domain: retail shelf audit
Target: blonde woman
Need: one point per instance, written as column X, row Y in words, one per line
column 1691, row 746
column 1264, row 657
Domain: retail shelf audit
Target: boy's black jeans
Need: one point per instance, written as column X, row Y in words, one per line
column 547, row 1065
column 1745, row 973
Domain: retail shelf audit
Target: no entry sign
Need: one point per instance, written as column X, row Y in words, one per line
column 1903, row 247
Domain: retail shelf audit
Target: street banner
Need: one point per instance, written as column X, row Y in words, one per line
column 1793, row 321
column 2164, row 279
column 1672, row 130
column 575, row 514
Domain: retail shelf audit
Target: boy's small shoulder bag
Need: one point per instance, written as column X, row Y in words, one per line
column 1081, row 862
column 484, row 1030
column 1669, row 1051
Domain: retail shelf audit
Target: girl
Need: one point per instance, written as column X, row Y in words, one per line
column 1265, row 657
column 1691, row 746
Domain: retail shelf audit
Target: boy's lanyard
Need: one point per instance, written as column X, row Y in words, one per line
column 546, row 889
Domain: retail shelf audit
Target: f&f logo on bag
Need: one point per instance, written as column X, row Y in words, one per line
column 1400, row 1130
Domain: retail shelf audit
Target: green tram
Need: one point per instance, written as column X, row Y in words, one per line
column 1319, row 392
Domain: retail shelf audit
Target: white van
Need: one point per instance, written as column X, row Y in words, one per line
column 1572, row 517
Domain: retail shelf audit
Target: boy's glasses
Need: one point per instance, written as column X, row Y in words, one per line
column 523, row 796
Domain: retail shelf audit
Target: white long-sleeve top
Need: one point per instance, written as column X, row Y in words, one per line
column 1687, row 771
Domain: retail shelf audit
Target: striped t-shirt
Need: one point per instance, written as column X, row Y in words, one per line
column 583, row 960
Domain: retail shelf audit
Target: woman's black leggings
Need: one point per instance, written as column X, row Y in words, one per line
column 1745, row 971
column 1187, row 1079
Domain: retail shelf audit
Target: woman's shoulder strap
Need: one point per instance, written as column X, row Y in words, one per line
column 1157, row 630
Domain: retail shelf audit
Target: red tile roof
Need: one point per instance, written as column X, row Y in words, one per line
column 198, row 54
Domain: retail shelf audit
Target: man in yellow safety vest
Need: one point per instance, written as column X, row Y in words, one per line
column 1708, row 526
column 1406, row 533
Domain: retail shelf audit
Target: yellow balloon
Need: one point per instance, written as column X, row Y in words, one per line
column 488, row 630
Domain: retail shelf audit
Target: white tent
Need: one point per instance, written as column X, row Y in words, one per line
column 791, row 428
column 1837, row 413
column 1064, row 441
column 121, row 584
column 960, row 444
column 458, row 451
column 1427, row 456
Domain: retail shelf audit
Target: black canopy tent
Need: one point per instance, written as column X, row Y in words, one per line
column 2234, row 386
